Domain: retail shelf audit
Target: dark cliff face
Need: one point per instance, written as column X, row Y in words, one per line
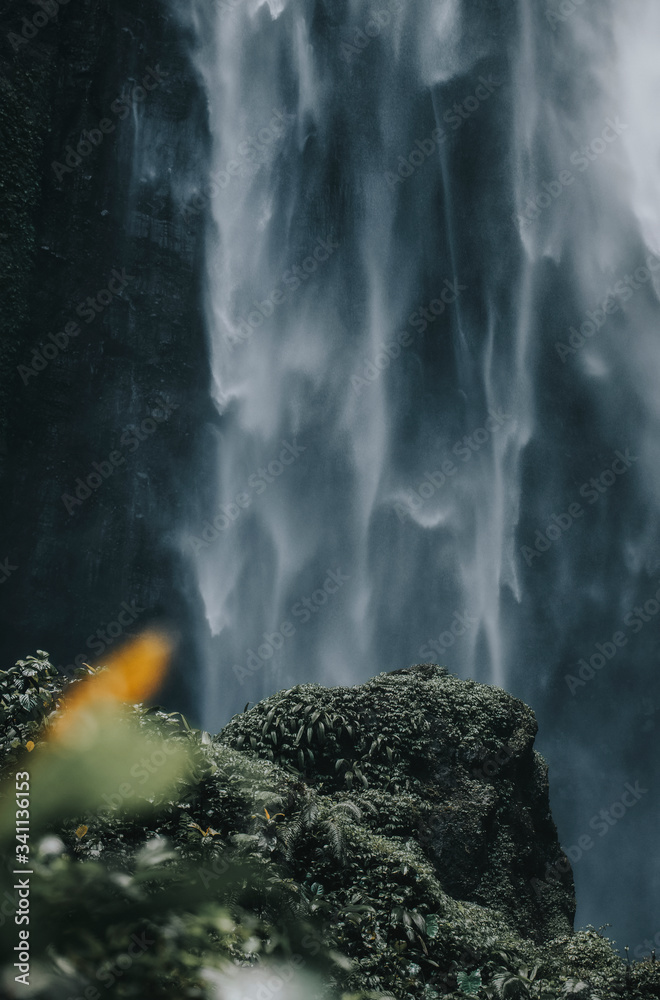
column 104, row 364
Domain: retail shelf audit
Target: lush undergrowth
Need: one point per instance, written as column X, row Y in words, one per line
column 272, row 861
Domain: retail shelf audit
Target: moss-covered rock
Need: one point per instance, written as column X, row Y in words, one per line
column 446, row 763
column 393, row 836
column 420, row 832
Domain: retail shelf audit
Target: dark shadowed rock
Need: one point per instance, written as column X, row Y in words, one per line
column 71, row 223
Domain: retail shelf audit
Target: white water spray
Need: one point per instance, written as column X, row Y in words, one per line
column 378, row 288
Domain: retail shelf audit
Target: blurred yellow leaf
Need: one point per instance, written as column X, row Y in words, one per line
column 98, row 752
column 30, row 746
column 133, row 673
column 81, row 831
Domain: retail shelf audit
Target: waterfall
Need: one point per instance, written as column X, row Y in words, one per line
column 432, row 297
column 335, row 299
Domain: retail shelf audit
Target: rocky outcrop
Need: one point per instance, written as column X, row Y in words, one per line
column 412, row 812
column 393, row 837
column 444, row 764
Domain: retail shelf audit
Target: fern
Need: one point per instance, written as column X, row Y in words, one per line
column 351, row 809
column 335, row 836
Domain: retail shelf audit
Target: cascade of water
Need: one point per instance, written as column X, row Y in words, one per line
column 427, row 334
column 356, row 153
column 335, row 299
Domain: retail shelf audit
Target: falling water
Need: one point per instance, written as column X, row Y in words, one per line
column 366, row 162
column 350, row 320
column 411, row 207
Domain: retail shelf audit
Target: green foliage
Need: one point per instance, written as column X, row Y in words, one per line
column 575, row 989
column 122, row 852
column 469, row 983
column 29, row 692
column 643, row 980
column 509, row 985
column 318, row 737
column 230, row 862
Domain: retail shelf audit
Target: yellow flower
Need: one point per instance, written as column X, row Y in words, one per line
column 209, row 832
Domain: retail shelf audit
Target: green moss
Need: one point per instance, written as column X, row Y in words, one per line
column 398, row 775
column 256, row 859
column 447, row 762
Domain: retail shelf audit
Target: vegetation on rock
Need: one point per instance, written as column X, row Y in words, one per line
column 387, row 840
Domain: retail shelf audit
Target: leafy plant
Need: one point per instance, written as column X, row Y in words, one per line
column 575, row 989
column 469, row 983
column 513, row 985
column 114, row 868
column 29, row 692
column 246, row 848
